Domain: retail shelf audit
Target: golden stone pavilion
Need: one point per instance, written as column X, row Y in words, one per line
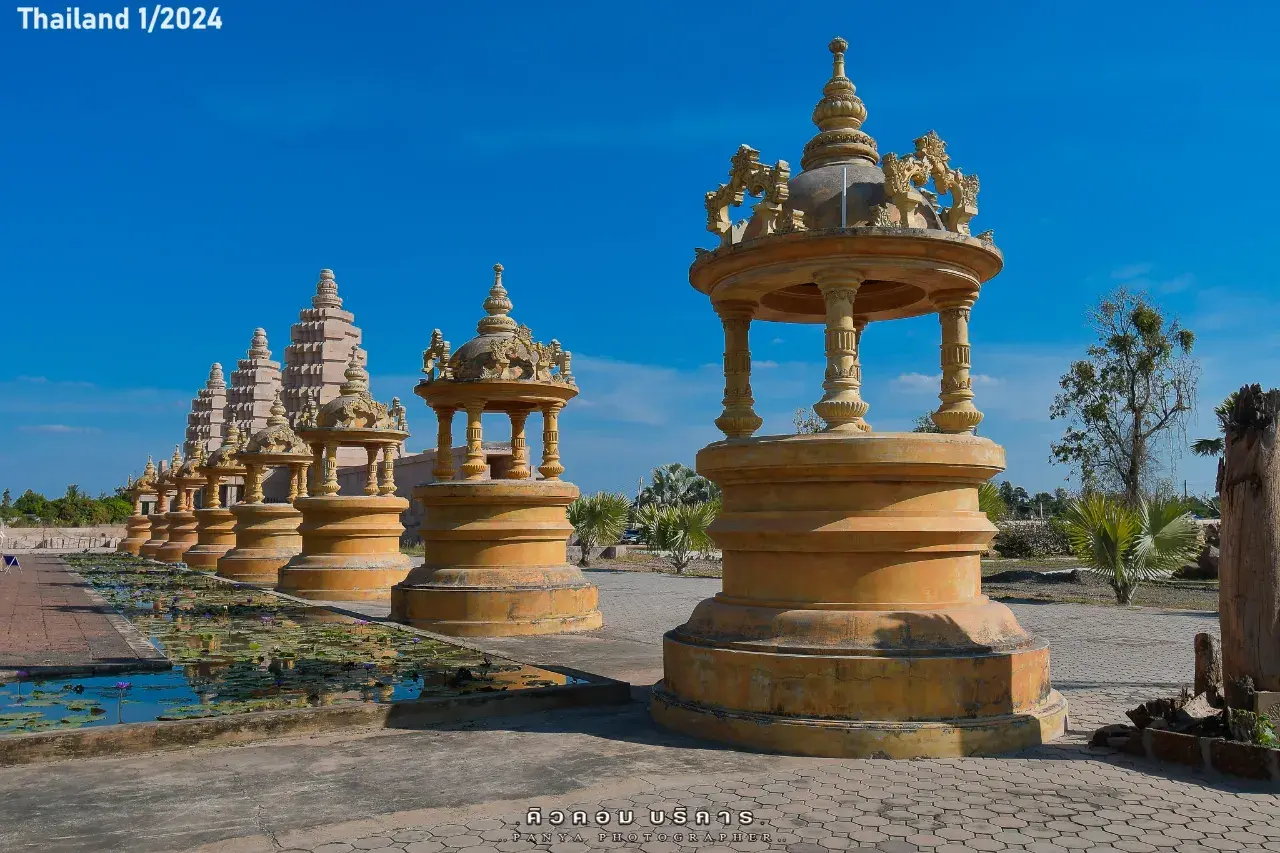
column 495, row 548
column 350, row 543
column 138, row 526
column 851, row 620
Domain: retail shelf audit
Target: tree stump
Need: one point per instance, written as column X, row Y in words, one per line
column 1208, row 668
column 1249, row 558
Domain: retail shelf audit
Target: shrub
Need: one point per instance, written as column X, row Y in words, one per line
column 598, row 519
column 1033, row 538
column 679, row 531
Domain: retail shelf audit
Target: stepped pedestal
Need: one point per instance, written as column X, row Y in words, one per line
column 266, row 537
column 181, row 536
column 215, row 536
column 496, row 562
column 159, row 535
column 350, row 548
column 137, row 532
column 851, row 621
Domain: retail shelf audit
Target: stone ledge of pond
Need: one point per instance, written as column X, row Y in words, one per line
column 253, row 726
column 1231, row 758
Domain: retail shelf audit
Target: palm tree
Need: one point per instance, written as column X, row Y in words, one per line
column 598, row 519
column 991, row 502
column 1125, row 545
column 676, row 484
column 1216, row 445
column 680, row 530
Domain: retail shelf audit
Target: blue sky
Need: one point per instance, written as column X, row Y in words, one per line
column 164, row 194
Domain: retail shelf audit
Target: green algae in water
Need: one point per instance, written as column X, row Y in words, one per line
column 238, row 649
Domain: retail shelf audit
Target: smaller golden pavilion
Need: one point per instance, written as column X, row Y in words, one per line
column 350, row 543
column 165, row 488
column 137, row 526
column 266, row 534
column 495, row 549
column 215, row 524
column 187, row 480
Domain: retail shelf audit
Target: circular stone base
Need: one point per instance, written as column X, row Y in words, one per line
column 138, row 531
column 350, row 549
column 495, row 562
column 215, row 536
column 266, row 537
column 181, row 537
column 159, row 536
column 490, row 611
column 862, row 738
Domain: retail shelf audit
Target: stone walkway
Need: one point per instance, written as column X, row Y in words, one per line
column 470, row 787
column 51, row 622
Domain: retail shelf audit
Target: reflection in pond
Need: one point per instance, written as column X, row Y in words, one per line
column 237, row 648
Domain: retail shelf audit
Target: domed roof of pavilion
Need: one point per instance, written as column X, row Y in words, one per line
column 226, row 456
column 843, row 156
column 145, row 484
column 190, row 468
column 502, row 350
column 354, row 408
column 276, row 437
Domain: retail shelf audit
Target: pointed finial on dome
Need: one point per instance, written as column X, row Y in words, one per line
column 258, row 347
column 326, row 292
column 278, row 417
column 839, row 116
column 149, row 472
column 232, row 439
column 498, row 306
column 201, row 453
column 357, row 376
column 216, row 379
column 176, row 461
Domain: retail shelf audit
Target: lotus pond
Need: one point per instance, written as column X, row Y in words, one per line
column 236, row 648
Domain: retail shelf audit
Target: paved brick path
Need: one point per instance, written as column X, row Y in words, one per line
column 51, row 619
column 468, row 787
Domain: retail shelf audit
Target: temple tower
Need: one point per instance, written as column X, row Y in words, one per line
column 253, row 386
column 208, row 411
column 319, row 349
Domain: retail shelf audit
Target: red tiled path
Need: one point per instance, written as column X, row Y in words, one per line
column 47, row 619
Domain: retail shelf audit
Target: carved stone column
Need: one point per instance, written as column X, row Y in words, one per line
column 551, row 468
column 957, row 413
column 331, row 469
column 388, row 486
column 842, row 406
column 295, row 482
column 253, row 483
column 212, row 488
column 315, row 483
column 738, row 420
column 519, row 469
column 473, row 468
column 305, row 478
column 443, row 469
column 371, row 474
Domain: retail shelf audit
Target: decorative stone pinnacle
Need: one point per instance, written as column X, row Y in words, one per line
column 258, row 347
column 216, row 380
column 233, row 436
column 326, row 292
column 279, row 417
column 498, row 306
column 149, row 473
column 176, row 461
column 357, row 376
column 839, row 116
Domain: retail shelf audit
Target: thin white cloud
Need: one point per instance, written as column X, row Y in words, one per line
column 1131, row 271
column 56, row 428
column 920, row 383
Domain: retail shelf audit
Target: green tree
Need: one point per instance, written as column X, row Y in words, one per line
column 114, row 509
column 598, row 519
column 676, row 484
column 925, row 423
column 1134, row 385
column 6, row 506
column 1125, row 543
column 1216, row 445
column 34, row 504
column 807, row 421
column 679, row 530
